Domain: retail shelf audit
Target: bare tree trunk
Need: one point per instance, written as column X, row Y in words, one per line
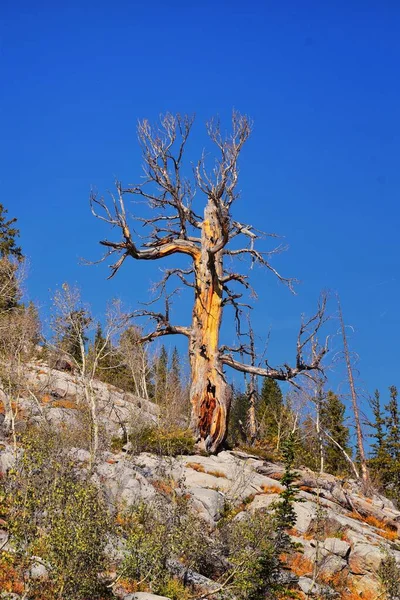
column 318, row 401
column 356, row 411
column 173, row 227
column 90, row 398
column 210, row 394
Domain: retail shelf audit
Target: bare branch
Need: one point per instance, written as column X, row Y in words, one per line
column 306, row 337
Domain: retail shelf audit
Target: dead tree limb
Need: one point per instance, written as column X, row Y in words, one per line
column 209, row 241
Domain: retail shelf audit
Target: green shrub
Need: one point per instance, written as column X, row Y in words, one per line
column 161, row 531
column 249, row 548
column 58, row 516
column 389, row 575
column 161, row 441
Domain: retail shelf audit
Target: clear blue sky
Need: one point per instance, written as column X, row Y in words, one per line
column 321, row 81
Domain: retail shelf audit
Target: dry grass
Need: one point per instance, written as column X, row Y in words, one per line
column 384, row 530
column 200, row 469
column 216, row 474
column 306, row 488
column 196, row 467
column 163, row 486
column 10, row 580
column 354, row 595
column 271, row 489
column 66, row 403
column 298, row 564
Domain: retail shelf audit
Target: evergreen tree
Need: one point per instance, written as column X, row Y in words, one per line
column 378, row 425
column 75, row 330
column 380, row 459
column 10, row 255
column 8, row 235
column 238, row 417
column 175, row 373
column 333, row 422
column 161, row 376
column 284, row 513
column 393, row 425
column 393, row 444
column 270, row 408
column 308, row 454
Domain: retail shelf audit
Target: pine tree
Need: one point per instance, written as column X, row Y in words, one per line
column 75, row 330
column 380, row 458
column 237, row 417
column 270, row 408
column 161, row 376
column 10, row 256
column 284, row 513
column 175, row 373
column 378, row 425
column 333, row 422
column 8, row 235
column 393, row 444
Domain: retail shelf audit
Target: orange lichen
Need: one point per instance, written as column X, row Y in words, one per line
column 384, row 529
column 65, row 403
column 10, row 580
column 165, row 487
column 271, row 489
column 216, row 474
column 298, row 564
column 306, row 488
column 196, row 467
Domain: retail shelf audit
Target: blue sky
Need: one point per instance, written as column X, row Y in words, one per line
column 321, row 82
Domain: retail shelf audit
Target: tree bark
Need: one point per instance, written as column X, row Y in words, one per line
column 354, row 401
column 210, row 394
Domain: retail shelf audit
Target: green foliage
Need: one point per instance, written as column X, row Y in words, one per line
column 8, row 235
column 238, row 418
column 333, row 422
column 161, row 440
column 57, row 516
column 385, row 459
column 161, row 376
column 248, row 544
column 284, row 513
column 241, row 553
column 270, row 410
column 389, row 575
column 75, row 334
column 111, row 368
column 379, row 463
column 159, row 532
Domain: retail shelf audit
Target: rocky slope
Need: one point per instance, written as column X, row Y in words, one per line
column 343, row 533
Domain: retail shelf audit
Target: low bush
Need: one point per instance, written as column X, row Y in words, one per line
column 57, row 516
column 159, row 440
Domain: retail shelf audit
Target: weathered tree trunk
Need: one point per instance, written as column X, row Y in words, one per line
column 174, row 227
column 210, row 395
column 354, row 401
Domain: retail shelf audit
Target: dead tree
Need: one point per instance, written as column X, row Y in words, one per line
column 354, row 401
column 209, row 241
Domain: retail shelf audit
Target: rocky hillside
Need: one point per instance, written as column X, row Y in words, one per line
column 343, row 536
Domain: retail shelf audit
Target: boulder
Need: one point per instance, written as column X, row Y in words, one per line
column 337, row 546
column 209, row 503
column 122, row 484
column 38, row 570
column 305, row 513
column 7, row 457
column 332, row 564
column 365, row 558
